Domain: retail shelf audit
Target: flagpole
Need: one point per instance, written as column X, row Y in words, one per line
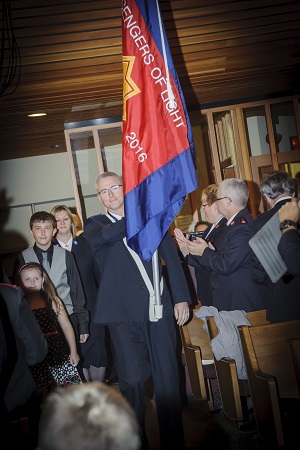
column 156, row 158
column 155, row 270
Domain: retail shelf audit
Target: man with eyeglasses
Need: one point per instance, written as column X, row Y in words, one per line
column 234, row 270
column 143, row 348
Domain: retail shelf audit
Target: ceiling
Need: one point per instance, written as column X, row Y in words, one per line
column 71, row 61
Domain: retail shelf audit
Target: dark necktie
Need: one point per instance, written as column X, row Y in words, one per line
column 46, row 264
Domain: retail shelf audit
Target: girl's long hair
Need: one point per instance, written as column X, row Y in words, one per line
column 48, row 290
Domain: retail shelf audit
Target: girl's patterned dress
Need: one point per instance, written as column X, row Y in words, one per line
column 56, row 369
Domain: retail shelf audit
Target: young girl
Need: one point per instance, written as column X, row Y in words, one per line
column 59, row 366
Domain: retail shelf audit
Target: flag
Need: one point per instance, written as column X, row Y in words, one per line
column 158, row 156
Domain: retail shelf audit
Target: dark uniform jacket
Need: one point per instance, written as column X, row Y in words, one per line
column 123, row 295
column 234, row 269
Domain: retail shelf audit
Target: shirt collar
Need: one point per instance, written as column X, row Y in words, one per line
column 287, row 197
column 68, row 245
column 231, row 219
column 39, row 251
column 115, row 216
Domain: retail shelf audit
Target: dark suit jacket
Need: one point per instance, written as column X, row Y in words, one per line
column 234, row 270
column 93, row 350
column 123, row 295
column 87, row 268
column 30, row 343
column 289, row 249
column 283, row 296
column 286, row 292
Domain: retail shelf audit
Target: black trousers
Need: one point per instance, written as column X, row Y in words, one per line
column 144, row 350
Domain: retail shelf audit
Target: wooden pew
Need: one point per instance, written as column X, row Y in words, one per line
column 199, row 359
column 294, row 349
column 234, row 392
column 271, row 377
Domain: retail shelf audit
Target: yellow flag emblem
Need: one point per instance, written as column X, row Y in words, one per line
column 130, row 89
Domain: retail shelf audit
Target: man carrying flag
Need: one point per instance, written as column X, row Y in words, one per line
column 145, row 345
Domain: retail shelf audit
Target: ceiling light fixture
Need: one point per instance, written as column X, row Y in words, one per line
column 55, row 146
column 36, row 115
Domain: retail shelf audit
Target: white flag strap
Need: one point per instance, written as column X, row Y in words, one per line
column 155, row 311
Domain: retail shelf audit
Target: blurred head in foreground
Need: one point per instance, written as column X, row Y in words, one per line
column 90, row 416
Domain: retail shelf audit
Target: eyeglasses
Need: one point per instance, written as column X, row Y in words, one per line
column 113, row 189
column 205, row 204
column 221, row 198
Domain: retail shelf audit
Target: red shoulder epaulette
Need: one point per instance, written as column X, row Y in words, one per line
column 241, row 220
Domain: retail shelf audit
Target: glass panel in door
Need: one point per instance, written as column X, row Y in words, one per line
column 285, row 127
